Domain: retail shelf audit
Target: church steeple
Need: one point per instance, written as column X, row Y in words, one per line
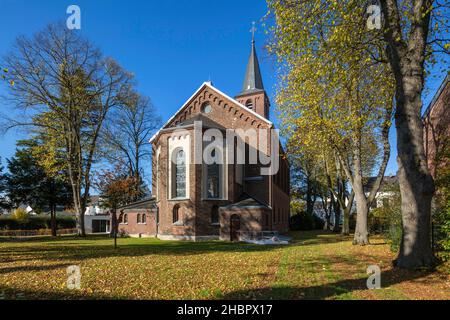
column 253, row 95
column 253, row 80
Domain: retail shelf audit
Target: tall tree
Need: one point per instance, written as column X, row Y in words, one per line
column 59, row 73
column 27, row 183
column 413, row 30
column 128, row 130
column 4, row 203
column 332, row 92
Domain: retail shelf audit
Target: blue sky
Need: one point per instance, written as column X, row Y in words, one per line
column 172, row 46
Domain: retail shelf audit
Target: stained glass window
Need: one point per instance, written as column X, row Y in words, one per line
column 180, row 175
column 213, row 179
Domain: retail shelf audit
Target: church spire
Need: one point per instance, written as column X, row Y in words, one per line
column 253, row 80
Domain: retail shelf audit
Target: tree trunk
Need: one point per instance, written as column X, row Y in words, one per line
column 416, row 183
column 346, row 222
column 362, row 210
column 407, row 59
column 53, row 220
column 347, row 210
column 337, row 216
column 114, row 230
column 309, row 197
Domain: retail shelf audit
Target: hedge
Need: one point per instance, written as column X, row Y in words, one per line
column 303, row 221
column 32, row 233
column 35, row 223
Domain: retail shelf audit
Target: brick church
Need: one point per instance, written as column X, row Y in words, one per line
column 220, row 200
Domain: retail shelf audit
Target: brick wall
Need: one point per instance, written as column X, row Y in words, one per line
column 133, row 228
column 437, row 128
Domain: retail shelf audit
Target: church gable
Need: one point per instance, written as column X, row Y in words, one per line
column 218, row 107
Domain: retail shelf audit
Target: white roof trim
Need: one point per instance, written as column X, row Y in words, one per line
column 208, row 84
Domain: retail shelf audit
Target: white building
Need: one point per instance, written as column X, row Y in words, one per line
column 96, row 217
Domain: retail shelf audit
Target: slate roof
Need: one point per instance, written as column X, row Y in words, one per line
column 143, row 204
column 253, row 80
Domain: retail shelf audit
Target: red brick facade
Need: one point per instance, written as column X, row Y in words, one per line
column 138, row 219
column 437, row 128
column 195, row 213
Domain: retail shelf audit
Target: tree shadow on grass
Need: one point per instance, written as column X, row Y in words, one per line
column 318, row 237
column 318, row 292
column 76, row 250
column 4, row 270
column 7, row 293
column 326, row 291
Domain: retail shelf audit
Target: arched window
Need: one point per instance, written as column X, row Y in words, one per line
column 215, row 215
column 176, row 214
column 138, row 218
column 157, row 176
column 144, row 219
column 125, row 218
column 179, row 175
column 213, row 179
column 249, row 104
column 120, row 220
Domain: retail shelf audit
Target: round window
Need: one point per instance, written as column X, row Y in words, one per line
column 206, row 108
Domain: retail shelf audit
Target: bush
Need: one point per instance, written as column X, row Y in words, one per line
column 303, row 221
column 441, row 205
column 441, row 227
column 122, row 234
column 394, row 233
column 35, row 223
column 387, row 221
column 20, row 214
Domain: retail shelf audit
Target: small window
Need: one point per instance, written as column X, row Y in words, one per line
column 176, row 214
column 215, row 215
column 144, row 219
column 249, row 104
column 138, row 218
column 120, row 220
column 206, row 108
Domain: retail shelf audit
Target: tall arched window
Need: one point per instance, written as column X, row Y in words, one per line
column 125, row 218
column 138, row 218
column 144, row 218
column 179, row 175
column 215, row 214
column 176, row 214
column 213, row 179
column 157, row 176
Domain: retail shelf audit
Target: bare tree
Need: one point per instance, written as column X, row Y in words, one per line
column 127, row 134
column 59, row 73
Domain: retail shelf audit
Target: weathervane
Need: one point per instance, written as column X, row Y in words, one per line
column 253, row 30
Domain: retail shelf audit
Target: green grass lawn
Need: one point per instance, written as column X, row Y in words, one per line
column 316, row 265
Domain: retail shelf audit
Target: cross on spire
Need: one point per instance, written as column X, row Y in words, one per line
column 253, row 30
column 253, row 80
